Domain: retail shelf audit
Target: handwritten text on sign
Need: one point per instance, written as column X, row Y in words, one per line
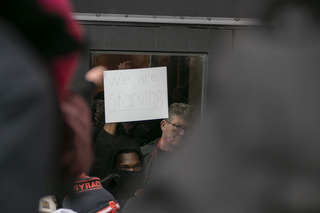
column 135, row 94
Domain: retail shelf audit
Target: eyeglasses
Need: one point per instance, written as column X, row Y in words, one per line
column 176, row 127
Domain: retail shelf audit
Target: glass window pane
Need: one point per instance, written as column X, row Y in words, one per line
column 184, row 71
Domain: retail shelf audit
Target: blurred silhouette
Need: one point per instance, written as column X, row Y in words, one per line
column 44, row 143
column 257, row 147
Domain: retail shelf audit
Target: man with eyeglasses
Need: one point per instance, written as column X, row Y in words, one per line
column 173, row 129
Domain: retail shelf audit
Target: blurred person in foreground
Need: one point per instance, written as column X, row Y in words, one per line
column 42, row 148
column 257, row 149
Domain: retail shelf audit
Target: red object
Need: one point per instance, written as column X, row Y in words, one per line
column 65, row 65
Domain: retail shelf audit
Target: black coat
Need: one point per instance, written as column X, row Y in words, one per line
column 103, row 154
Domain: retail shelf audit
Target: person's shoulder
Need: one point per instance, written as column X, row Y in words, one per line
column 101, row 137
column 149, row 147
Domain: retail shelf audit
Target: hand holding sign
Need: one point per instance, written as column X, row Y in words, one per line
column 95, row 75
column 135, row 94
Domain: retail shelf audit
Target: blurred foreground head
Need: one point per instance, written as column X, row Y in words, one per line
column 257, row 149
column 47, row 25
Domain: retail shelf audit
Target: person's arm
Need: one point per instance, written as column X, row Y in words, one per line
column 29, row 123
column 110, row 128
column 85, row 85
column 95, row 75
column 102, row 155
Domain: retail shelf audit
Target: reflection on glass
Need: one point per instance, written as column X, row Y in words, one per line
column 184, row 71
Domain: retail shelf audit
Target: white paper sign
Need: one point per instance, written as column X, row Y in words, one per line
column 135, row 94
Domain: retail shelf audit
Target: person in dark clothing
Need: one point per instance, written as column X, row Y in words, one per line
column 102, row 164
column 141, row 131
column 29, row 126
column 104, row 134
column 127, row 176
column 173, row 130
column 102, row 140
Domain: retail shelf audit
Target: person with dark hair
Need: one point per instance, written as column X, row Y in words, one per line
column 140, row 131
column 102, row 140
column 127, row 176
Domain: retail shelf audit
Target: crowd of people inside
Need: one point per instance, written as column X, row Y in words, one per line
column 255, row 151
column 121, row 168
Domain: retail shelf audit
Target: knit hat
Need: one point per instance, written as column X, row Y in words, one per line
column 46, row 204
column 90, row 197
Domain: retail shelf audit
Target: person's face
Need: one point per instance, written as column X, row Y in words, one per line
column 172, row 132
column 128, row 162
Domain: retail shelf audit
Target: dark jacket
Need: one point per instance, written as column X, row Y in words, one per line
column 102, row 165
column 124, row 184
column 152, row 155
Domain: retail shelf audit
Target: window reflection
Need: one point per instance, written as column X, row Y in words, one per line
column 184, row 71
